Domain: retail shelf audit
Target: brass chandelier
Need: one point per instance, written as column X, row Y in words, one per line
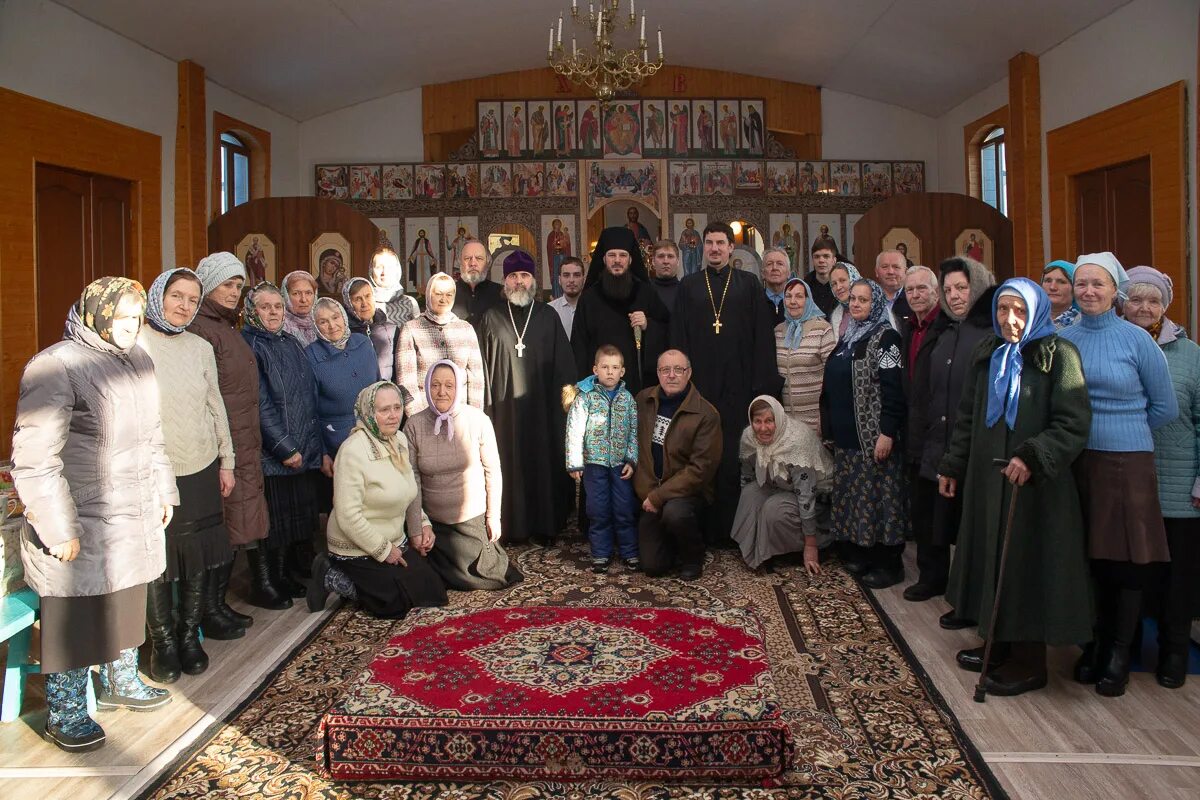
column 605, row 69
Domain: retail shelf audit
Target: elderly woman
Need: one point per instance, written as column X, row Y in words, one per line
column 1132, row 396
column 437, row 334
column 452, row 448
column 803, row 342
column 378, row 535
column 1025, row 406
column 292, row 448
column 196, row 434
column 387, row 285
column 221, row 277
column 783, row 463
column 938, row 373
column 1057, row 278
column 300, row 290
column 862, row 402
column 89, row 463
column 359, row 299
column 1177, row 459
column 841, row 275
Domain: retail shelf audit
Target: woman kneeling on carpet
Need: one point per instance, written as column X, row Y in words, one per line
column 452, row 447
column 782, row 464
column 375, row 498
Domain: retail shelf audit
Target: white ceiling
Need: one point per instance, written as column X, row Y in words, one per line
column 304, row 58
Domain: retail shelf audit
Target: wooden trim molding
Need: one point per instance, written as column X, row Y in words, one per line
column 191, row 226
column 973, row 135
column 1152, row 125
column 35, row 131
column 259, row 142
column 1023, row 156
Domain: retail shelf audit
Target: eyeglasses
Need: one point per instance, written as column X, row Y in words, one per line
column 673, row 370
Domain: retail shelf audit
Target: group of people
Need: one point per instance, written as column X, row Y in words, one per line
column 367, row 447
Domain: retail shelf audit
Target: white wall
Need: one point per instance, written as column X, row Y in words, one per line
column 952, row 165
column 382, row 130
column 285, row 137
column 855, row 128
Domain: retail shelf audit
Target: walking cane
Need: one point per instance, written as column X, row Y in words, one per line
column 980, row 688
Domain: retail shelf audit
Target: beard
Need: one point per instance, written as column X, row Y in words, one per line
column 472, row 279
column 519, row 297
column 616, row 287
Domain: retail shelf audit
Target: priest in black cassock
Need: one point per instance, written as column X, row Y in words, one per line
column 620, row 307
column 475, row 293
column 527, row 360
column 721, row 322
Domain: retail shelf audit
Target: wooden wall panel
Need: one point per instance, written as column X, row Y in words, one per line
column 292, row 223
column 190, row 166
column 37, row 131
column 1023, row 155
column 1152, row 125
column 937, row 219
column 448, row 109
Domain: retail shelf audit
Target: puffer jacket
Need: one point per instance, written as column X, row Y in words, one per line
column 601, row 430
column 383, row 334
column 1177, row 444
column 340, row 376
column 287, row 402
column 89, row 464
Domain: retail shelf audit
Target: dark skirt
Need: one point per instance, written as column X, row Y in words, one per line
column 870, row 505
column 392, row 590
column 1119, row 495
column 196, row 537
column 292, row 507
column 83, row 631
column 323, row 486
column 934, row 518
column 465, row 558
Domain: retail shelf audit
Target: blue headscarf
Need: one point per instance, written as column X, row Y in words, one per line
column 877, row 317
column 1069, row 317
column 1004, row 374
column 154, row 302
column 795, row 325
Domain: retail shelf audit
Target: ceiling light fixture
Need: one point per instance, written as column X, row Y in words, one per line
column 604, row 69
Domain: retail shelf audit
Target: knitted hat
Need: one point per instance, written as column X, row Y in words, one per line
column 216, row 268
column 1155, row 278
column 518, row 261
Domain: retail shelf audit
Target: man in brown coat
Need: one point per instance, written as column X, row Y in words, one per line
column 679, row 448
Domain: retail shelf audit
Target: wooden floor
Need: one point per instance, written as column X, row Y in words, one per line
column 1062, row 743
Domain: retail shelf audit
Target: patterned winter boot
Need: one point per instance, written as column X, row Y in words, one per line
column 67, row 722
column 121, row 687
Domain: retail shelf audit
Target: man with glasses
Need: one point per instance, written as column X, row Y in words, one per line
column 679, row 449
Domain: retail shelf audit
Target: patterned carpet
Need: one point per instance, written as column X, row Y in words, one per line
column 865, row 719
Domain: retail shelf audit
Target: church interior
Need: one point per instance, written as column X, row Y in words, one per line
column 139, row 136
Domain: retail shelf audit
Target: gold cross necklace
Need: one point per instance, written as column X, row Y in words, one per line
column 715, row 308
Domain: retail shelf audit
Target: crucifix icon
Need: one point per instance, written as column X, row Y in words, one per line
column 520, row 348
column 717, row 327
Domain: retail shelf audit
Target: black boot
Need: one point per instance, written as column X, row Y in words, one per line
column 1174, row 642
column 300, row 559
column 220, row 589
column 279, row 574
column 163, row 665
column 1096, row 652
column 263, row 593
column 217, row 625
column 1114, row 671
column 191, row 611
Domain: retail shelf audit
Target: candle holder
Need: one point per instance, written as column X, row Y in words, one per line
column 604, row 68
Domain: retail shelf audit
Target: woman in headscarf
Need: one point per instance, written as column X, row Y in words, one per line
column 196, row 434
column 387, row 285
column 359, row 299
column 1025, row 406
column 803, row 343
column 222, row 277
column 1057, row 279
column 452, row 448
column 938, row 374
column 378, row 535
column 292, row 447
column 862, row 405
column 1177, row 460
column 841, row 275
column 90, row 466
column 437, row 334
column 1132, row 396
column 783, row 464
column 300, row 291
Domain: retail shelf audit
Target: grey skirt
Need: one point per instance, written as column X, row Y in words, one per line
column 465, row 558
column 83, row 631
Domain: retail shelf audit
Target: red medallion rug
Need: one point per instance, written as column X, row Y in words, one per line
column 547, row 693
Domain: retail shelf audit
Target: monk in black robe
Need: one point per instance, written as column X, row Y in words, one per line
column 722, row 324
column 475, row 293
column 619, row 306
column 527, row 360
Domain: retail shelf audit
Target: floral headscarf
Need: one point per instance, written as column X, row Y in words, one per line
column 329, row 302
column 99, row 301
column 795, row 325
column 853, row 272
column 877, row 317
column 364, row 413
column 348, row 289
column 301, row 326
column 460, row 381
column 1004, row 370
column 154, row 301
column 446, row 316
column 250, row 313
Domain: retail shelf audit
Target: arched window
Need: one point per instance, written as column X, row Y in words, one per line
column 235, row 172
column 992, row 171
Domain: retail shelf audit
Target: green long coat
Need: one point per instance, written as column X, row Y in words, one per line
column 1047, row 590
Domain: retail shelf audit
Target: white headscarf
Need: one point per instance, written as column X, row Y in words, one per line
column 795, row 445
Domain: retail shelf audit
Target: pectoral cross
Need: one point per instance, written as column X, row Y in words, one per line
column 520, row 348
column 717, row 327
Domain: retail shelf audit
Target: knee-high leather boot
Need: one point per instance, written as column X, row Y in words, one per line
column 1114, row 672
column 263, row 592
column 219, row 589
column 164, row 665
column 191, row 610
column 218, row 625
column 279, row 574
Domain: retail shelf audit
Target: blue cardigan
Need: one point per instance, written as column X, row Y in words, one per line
column 340, row 375
column 1177, row 444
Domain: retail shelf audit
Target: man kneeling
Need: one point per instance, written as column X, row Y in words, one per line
column 679, row 448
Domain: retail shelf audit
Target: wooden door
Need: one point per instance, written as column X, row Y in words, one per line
column 1113, row 212
column 83, row 227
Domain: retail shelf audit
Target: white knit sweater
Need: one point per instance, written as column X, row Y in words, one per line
column 195, row 427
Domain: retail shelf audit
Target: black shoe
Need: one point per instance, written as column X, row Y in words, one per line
column 633, row 564
column 952, row 622
column 1172, row 668
column 1114, row 673
column 163, row 664
column 1015, row 686
column 880, row 578
column 219, row 587
column 920, row 591
column 1087, row 667
column 690, row 572
column 191, row 610
column 280, row 577
column 317, row 593
column 1114, row 669
column 972, row 659
column 600, row 565
column 855, row 568
column 263, row 593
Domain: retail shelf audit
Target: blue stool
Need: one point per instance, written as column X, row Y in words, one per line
column 18, row 612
